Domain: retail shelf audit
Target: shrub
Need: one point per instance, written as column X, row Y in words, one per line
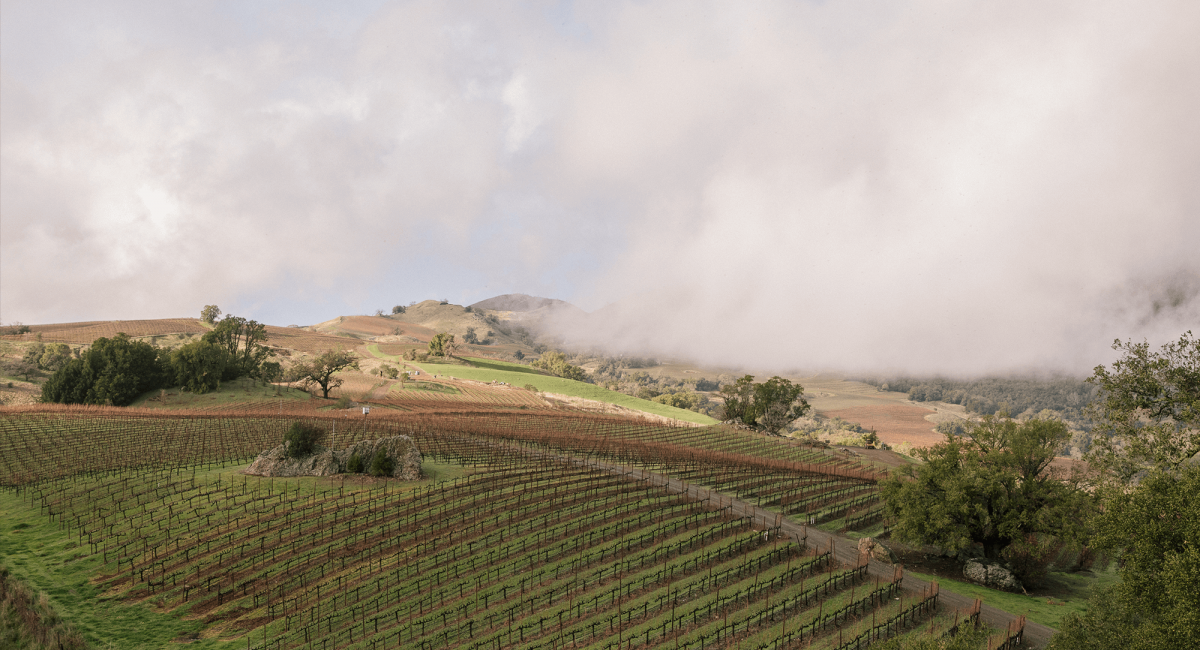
column 1030, row 559
column 382, row 464
column 343, row 402
column 531, row 388
column 355, row 464
column 301, row 439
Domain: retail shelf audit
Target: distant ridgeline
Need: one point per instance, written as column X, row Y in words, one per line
column 1067, row 396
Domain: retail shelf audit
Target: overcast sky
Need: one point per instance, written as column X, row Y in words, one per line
column 956, row 187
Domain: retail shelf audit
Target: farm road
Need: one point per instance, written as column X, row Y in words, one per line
column 845, row 550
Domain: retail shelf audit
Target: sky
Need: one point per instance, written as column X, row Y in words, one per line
column 903, row 185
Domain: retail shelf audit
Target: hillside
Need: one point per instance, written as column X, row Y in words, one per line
column 518, row 302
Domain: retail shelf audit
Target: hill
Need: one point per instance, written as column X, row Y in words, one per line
column 518, row 302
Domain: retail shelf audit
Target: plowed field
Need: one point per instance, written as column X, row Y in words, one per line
column 895, row 423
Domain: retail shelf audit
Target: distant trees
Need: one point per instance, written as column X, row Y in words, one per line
column 682, row 400
column 556, row 364
column 243, row 340
column 442, row 345
column 769, row 406
column 473, row 339
column 398, row 309
column 320, row 370
column 54, row 356
column 210, row 313
column 199, row 366
column 112, row 371
column 991, row 395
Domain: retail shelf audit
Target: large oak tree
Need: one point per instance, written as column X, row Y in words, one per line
column 992, row 487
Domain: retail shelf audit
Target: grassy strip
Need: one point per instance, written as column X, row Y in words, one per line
column 238, row 391
column 488, row 370
column 28, row 621
column 1071, row 593
column 47, row 559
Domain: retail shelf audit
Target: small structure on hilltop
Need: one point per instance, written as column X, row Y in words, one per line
column 396, row 457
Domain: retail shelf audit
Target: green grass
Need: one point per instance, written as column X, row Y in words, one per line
column 518, row 375
column 47, row 559
column 1064, row 593
column 237, row 391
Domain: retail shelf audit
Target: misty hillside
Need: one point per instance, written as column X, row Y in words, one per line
column 518, row 302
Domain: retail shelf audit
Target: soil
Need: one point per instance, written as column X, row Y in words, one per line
column 895, row 423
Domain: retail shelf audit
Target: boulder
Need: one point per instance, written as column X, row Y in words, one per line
column 868, row 546
column 402, row 450
column 991, row 574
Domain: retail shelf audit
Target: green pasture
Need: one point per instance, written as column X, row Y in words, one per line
column 488, row 370
column 242, row 390
column 1064, row 593
column 47, row 559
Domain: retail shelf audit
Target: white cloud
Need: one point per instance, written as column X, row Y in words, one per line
column 925, row 185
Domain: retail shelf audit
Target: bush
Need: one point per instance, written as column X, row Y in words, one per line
column 355, row 464
column 343, row 402
column 531, row 388
column 382, row 464
column 301, row 439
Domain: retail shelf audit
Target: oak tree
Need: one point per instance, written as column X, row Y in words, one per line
column 320, row 370
column 992, row 487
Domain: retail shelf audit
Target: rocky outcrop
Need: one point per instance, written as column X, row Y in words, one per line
column 990, row 574
column 868, row 546
column 406, row 459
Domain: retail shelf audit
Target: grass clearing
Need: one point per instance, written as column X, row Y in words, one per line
column 1064, row 593
column 488, row 370
column 47, row 559
column 238, row 391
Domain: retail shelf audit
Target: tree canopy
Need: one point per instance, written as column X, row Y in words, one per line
column 210, row 313
column 556, row 364
column 112, row 371
column 243, row 340
column 1148, row 412
column 990, row 487
column 769, row 406
column 199, row 366
column 320, row 370
column 1149, row 479
column 442, row 345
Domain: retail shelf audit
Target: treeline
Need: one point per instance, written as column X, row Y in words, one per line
column 626, row 375
column 990, row 395
column 116, row 371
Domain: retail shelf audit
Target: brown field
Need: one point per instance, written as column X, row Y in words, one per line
column 305, row 341
column 376, row 326
column 895, row 423
column 87, row 333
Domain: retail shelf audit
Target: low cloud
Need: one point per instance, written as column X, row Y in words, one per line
column 865, row 186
